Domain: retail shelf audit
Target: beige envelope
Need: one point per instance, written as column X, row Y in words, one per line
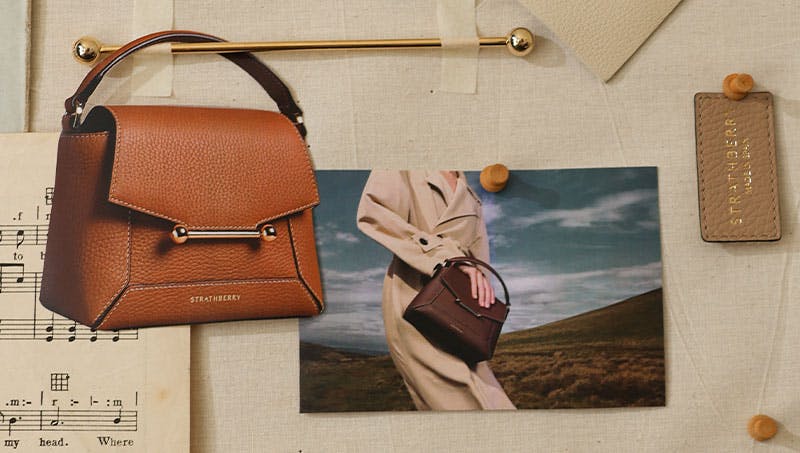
column 602, row 33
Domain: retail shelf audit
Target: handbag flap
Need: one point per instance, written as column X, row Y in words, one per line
column 457, row 282
column 205, row 167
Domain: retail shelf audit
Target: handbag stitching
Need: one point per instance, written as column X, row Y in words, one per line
column 85, row 135
column 126, row 281
column 307, row 159
column 189, row 285
column 115, row 199
column 298, row 260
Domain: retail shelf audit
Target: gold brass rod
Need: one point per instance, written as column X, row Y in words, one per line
column 519, row 42
column 224, row 234
column 229, row 47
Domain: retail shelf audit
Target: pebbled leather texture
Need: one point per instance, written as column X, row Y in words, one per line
column 86, row 260
column 128, row 174
column 170, row 162
column 111, row 265
column 736, row 168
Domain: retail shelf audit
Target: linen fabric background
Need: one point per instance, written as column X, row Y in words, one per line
column 731, row 310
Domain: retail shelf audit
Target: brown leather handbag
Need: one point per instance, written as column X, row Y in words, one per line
column 174, row 215
column 447, row 315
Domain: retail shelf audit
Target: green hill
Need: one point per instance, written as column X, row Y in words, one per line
column 609, row 357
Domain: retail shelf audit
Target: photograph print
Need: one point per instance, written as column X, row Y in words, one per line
column 578, row 250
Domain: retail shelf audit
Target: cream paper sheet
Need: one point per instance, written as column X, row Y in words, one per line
column 730, row 310
column 14, row 53
column 65, row 387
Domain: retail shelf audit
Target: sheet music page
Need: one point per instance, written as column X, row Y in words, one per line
column 64, row 386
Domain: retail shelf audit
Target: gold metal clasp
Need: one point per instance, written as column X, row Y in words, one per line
column 181, row 233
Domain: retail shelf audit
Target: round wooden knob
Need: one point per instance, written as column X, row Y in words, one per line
column 736, row 86
column 494, row 177
column 762, row 427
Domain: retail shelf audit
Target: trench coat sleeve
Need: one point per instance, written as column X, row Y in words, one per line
column 480, row 249
column 383, row 215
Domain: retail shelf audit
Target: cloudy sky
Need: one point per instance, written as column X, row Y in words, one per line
column 565, row 242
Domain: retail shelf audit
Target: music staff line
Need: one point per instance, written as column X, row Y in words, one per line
column 15, row 280
column 55, row 329
column 19, row 235
column 69, row 420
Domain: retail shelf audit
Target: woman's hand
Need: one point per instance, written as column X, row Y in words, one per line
column 481, row 286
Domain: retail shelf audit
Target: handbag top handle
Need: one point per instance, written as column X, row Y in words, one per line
column 274, row 87
column 475, row 261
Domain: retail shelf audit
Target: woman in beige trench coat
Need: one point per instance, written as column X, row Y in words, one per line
column 424, row 218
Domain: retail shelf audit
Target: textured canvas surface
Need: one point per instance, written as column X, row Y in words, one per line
column 730, row 310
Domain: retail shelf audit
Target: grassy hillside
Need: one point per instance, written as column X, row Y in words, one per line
column 610, row 357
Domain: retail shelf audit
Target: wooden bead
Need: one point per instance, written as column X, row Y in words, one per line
column 494, row 177
column 736, row 86
column 762, row 427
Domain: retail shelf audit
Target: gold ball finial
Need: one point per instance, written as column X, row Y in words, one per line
column 86, row 50
column 180, row 234
column 520, row 42
column 268, row 233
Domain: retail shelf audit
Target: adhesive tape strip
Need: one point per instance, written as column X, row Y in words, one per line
column 458, row 33
column 152, row 68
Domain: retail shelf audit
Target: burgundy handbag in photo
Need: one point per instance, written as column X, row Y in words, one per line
column 447, row 315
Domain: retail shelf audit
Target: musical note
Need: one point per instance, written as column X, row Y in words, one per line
column 20, row 237
column 11, row 422
column 118, row 418
column 115, row 338
column 49, row 329
column 72, row 330
column 56, row 421
column 93, row 338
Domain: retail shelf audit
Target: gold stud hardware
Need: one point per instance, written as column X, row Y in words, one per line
column 181, row 233
column 86, row 50
column 519, row 42
column 268, row 233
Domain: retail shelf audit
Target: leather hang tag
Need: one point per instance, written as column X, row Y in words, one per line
column 736, row 168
